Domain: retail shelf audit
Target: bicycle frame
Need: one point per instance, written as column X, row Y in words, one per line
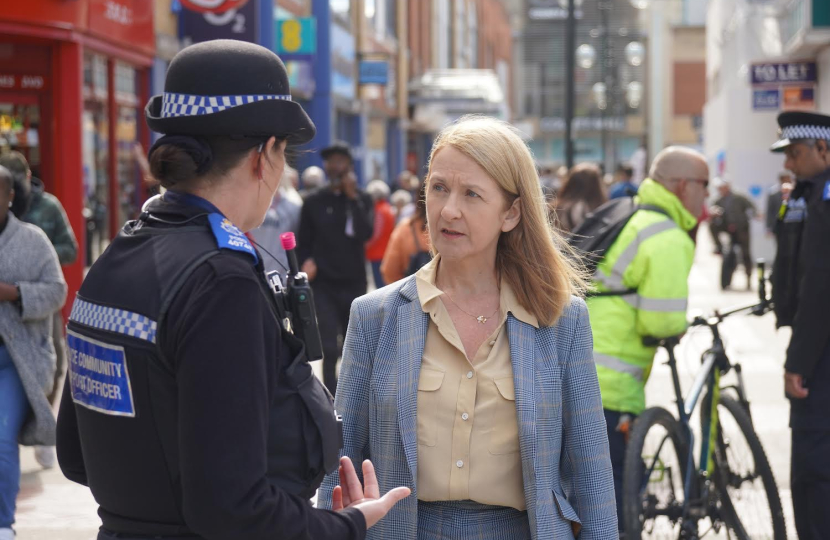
column 714, row 364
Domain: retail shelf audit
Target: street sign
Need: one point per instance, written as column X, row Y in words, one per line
column 799, row 98
column 783, row 85
column 373, row 72
column 295, row 38
column 784, row 73
column 766, row 99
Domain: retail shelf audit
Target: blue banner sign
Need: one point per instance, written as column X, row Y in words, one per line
column 374, row 72
column 766, row 99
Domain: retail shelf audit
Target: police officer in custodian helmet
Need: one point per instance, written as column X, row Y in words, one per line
column 189, row 410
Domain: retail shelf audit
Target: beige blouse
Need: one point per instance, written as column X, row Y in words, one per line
column 468, row 434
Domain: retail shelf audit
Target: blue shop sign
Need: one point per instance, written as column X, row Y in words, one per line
column 374, row 72
column 767, row 99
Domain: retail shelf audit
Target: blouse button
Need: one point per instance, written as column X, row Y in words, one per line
column 465, row 416
column 459, row 463
column 492, row 343
column 469, row 374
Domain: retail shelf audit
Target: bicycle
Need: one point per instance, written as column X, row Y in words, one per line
column 666, row 491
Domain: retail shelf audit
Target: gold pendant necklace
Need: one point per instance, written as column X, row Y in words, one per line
column 480, row 318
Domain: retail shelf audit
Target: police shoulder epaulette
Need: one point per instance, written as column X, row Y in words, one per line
column 228, row 236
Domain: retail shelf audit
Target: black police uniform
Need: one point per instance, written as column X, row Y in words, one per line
column 188, row 411
column 801, row 293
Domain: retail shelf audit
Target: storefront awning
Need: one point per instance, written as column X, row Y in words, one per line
column 442, row 95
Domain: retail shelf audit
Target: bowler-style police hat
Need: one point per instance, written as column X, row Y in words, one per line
column 799, row 125
column 227, row 87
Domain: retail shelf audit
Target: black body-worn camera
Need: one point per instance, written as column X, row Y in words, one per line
column 296, row 300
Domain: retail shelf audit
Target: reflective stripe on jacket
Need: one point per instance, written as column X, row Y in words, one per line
column 652, row 256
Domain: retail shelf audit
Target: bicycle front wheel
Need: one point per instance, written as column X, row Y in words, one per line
column 748, row 495
column 655, row 465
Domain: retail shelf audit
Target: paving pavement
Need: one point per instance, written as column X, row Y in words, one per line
column 50, row 507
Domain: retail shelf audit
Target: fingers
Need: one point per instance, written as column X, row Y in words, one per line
column 345, row 494
column 371, row 490
column 394, row 496
column 337, row 499
column 350, row 481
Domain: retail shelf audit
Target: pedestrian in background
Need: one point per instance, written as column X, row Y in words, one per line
column 384, row 224
column 45, row 211
column 402, row 204
column 283, row 216
column 313, row 178
column 467, row 377
column 775, row 200
column 730, row 215
column 652, row 256
column 623, row 185
column 801, row 295
column 581, row 193
column 32, row 289
column 335, row 224
column 408, row 248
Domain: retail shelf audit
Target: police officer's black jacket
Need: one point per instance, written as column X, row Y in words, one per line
column 801, row 274
column 194, row 430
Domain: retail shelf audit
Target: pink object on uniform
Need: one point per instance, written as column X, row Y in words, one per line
column 288, row 241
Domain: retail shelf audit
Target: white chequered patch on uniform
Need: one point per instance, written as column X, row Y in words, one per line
column 113, row 320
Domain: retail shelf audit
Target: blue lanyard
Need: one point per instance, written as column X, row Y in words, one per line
column 188, row 199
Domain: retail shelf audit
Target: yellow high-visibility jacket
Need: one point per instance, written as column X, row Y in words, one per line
column 652, row 255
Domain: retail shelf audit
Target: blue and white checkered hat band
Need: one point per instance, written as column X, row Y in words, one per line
column 113, row 320
column 806, row 132
column 173, row 105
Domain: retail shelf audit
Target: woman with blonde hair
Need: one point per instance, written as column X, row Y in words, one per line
column 472, row 382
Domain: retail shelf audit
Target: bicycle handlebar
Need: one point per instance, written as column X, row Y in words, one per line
column 762, row 307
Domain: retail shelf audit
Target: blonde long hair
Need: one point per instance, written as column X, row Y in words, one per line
column 531, row 257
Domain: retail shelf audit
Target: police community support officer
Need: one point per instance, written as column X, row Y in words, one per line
column 801, row 292
column 187, row 411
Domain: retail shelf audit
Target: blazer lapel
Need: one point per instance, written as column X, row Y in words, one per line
column 412, row 329
column 522, row 344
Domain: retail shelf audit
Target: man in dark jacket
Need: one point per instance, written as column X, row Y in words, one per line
column 335, row 224
column 801, row 292
column 731, row 214
column 45, row 211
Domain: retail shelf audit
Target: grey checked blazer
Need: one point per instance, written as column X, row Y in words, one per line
column 563, row 440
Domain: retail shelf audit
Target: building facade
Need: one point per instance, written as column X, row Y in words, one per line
column 762, row 58
column 74, row 77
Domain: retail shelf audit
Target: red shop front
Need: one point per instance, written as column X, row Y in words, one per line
column 74, row 75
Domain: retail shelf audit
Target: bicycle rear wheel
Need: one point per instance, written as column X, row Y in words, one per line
column 655, row 465
column 749, row 502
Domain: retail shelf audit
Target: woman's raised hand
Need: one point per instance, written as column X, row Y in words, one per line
column 366, row 498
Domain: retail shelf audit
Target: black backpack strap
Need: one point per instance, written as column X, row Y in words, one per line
column 653, row 208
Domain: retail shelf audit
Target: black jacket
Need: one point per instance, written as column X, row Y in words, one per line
column 802, row 273
column 338, row 251
column 217, row 445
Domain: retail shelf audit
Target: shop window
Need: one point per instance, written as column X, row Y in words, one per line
column 19, row 122
column 96, row 155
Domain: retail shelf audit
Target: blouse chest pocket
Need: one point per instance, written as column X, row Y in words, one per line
column 504, row 431
column 429, row 382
